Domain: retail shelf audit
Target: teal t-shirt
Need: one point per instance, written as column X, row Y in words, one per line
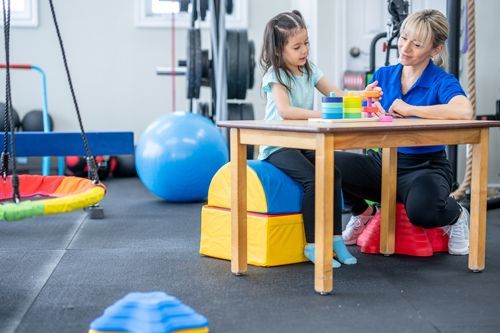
column 301, row 95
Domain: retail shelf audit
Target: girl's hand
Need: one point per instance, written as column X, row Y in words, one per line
column 373, row 87
column 399, row 108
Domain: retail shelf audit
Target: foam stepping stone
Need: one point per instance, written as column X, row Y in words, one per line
column 410, row 239
column 154, row 312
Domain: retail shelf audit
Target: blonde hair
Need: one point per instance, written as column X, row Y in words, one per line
column 429, row 26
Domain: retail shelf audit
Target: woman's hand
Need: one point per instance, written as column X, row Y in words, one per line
column 381, row 111
column 399, row 108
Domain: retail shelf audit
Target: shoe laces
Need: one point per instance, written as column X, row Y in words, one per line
column 355, row 222
column 456, row 230
column 360, row 221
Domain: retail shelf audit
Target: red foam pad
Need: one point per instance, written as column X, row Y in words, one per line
column 410, row 240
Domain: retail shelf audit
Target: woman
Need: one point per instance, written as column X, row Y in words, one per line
column 416, row 87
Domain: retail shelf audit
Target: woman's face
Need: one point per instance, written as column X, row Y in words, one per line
column 296, row 50
column 414, row 52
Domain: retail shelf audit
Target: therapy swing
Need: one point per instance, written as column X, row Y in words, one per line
column 52, row 194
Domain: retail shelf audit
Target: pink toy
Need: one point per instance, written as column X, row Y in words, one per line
column 371, row 97
column 385, row 119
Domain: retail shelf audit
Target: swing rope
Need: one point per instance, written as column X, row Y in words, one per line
column 7, row 157
column 90, row 159
column 8, row 121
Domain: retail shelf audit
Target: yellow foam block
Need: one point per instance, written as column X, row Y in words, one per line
column 272, row 240
column 219, row 192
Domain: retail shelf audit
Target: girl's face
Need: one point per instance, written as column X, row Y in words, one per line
column 296, row 50
column 414, row 52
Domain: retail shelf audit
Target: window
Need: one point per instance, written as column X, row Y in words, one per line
column 165, row 7
column 158, row 14
column 23, row 13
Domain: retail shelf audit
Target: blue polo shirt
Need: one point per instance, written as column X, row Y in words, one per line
column 435, row 86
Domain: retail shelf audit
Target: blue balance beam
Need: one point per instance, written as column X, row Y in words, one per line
column 71, row 143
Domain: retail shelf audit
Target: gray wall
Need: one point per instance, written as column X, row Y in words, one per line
column 488, row 74
column 113, row 62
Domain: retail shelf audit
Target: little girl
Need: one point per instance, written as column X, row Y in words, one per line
column 288, row 83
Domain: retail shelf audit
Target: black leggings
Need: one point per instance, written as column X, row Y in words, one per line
column 299, row 165
column 423, row 185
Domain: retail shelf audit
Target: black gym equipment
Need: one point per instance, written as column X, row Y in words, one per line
column 240, row 55
column 77, row 166
column 125, row 166
column 15, row 118
column 199, row 68
column 193, row 64
column 205, row 111
column 242, row 111
column 33, row 121
column 453, row 13
column 398, row 9
column 357, row 80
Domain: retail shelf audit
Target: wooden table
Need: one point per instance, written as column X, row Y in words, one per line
column 324, row 138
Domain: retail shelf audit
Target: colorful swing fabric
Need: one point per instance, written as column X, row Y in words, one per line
column 64, row 194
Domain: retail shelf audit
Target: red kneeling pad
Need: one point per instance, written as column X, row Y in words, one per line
column 410, row 240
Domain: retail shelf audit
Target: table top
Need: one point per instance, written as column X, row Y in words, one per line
column 362, row 126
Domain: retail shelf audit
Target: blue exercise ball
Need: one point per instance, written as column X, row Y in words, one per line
column 177, row 156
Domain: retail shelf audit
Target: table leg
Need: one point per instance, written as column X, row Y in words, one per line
column 323, row 273
column 478, row 197
column 238, row 204
column 388, row 202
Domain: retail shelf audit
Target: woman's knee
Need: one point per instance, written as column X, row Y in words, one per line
column 425, row 213
column 426, row 201
column 421, row 216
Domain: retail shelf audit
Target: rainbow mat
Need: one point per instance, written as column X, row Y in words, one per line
column 154, row 312
column 56, row 194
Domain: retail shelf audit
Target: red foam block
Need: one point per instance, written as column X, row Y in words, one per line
column 410, row 240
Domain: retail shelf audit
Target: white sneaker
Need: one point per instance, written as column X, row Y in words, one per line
column 458, row 233
column 355, row 227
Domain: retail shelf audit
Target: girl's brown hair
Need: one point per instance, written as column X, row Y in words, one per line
column 276, row 34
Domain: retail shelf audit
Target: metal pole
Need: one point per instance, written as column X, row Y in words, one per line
column 453, row 13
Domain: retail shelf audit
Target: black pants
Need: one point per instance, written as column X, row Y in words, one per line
column 424, row 184
column 299, row 165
